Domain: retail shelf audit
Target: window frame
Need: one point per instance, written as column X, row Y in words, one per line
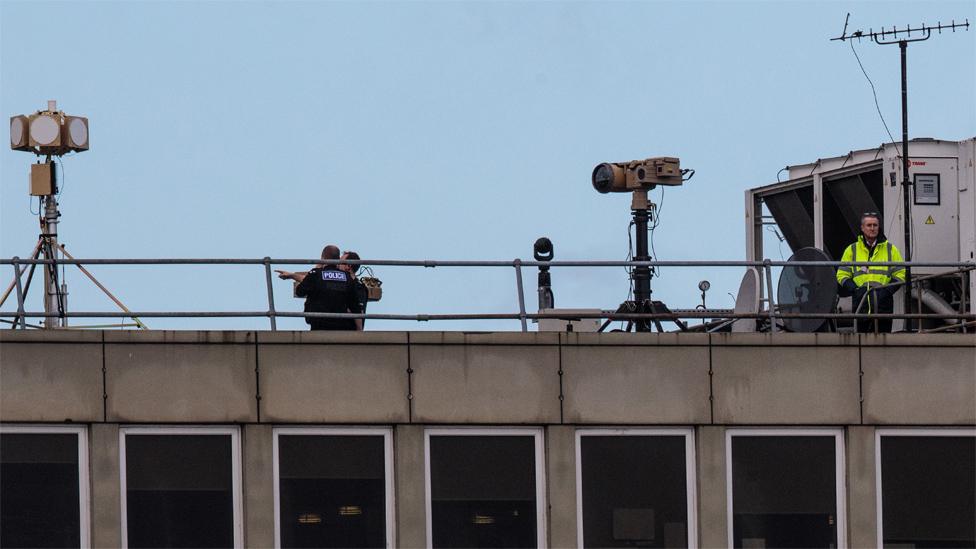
column 389, row 483
column 540, row 471
column 904, row 432
column 84, row 477
column 691, row 484
column 840, row 468
column 191, row 430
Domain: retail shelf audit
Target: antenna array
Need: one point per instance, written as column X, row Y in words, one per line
column 895, row 35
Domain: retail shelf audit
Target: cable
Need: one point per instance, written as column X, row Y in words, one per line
column 779, row 238
column 62, row 185
column 650, row 238
column 630, row 278
column 875, row 93
column 654, row 225
column 630, row 257
column 660, row 206
column 779, row 172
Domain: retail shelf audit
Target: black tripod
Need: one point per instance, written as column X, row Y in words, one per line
column 641, row 277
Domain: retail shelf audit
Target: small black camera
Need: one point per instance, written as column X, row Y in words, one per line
column 542, row 249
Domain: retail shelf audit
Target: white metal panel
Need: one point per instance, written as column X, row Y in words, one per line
column 935, row 227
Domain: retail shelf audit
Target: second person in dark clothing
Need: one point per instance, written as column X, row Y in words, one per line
column 361, row 292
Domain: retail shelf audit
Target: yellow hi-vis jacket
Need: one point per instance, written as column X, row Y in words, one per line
column 871, row 275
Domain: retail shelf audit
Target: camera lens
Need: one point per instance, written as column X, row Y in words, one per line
column 641, row 173
column 603, row 178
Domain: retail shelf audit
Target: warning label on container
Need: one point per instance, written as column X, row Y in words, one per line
column 930, row 221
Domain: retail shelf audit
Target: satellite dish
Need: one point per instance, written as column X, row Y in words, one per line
column 807, row 289
column 747, row 301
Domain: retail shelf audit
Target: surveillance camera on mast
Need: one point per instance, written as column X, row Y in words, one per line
column 49, row 133
column 637, row 175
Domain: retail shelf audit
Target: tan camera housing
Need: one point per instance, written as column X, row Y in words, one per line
column 640, row 174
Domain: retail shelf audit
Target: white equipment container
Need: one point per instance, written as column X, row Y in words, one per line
column 821, row 203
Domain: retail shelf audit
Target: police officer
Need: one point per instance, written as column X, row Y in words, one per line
column 869, row 280
column 327, row 289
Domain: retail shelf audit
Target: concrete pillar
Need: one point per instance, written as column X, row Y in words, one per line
column 561, row 473
column 258, row 473
column 411, row 499
column 106, row 509
column 712, row 503
column 862, row 510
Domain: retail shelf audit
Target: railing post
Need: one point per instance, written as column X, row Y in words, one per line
column 271, row 306
column 963, row 282
column 20, row 296
column 521, row 293
column 918, row 293
column 768, row 269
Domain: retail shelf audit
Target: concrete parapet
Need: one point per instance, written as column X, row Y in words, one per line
column 485, row 384
column 43, row 381
column 173, row 337
column 786, row 385
column 487, row 378
column 335, row 383
column 635, row 385
column 180, row 382
column 922, row 385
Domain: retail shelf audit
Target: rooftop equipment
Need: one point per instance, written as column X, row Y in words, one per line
column 821, row 203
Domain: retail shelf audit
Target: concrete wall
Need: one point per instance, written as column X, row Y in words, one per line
column 558, row 381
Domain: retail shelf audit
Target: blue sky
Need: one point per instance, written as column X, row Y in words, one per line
column 440, row 130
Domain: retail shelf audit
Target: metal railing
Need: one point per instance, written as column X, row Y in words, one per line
column 766, row 266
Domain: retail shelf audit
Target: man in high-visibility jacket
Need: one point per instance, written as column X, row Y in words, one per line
column 870, row 280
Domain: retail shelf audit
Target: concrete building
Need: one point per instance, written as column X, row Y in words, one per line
column 427, row 439
column 532, row 439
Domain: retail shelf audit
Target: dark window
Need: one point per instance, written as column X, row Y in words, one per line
column 332, row 490
column 784, row 491
column 928, row 491
column 179, row 490
column 483, row 491
column 39, row 499
column 634, row 491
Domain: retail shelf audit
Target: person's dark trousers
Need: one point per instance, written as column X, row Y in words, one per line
column 878, row 301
